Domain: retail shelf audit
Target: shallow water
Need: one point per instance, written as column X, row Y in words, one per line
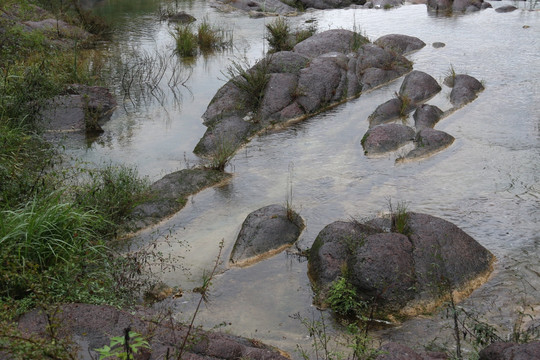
column 487, row 182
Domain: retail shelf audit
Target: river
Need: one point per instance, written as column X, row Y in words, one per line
column 487, row 182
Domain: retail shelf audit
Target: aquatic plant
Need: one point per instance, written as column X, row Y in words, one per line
column 211, row 37
column 186, row 41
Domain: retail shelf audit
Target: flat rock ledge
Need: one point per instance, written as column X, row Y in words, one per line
column 91, row 327
column 416, row 89
column 266, row 232
column 81, row 108
column 322, row 71
column 397, row 272
column 169, row 195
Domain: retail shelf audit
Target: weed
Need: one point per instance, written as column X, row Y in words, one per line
column 343, row 299
column 400, row 218
column 186, row 41
column 222, row 154
column 289, row 198
column 250, row 81
column 211, row 38
column 279, row 35
column 112, row 191
column 450, row 76
column 123, row 347
column 203, row 290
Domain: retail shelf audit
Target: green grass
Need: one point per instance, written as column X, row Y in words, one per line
column 251, row 81
column 186, row 41
column 211, row 37
column 281, row 37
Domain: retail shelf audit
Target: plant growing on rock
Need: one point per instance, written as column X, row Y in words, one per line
column 281, row 37
column 221, row 156
column 400, row 218
column 251, row 81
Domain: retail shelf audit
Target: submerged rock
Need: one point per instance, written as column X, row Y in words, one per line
column 169, row 195
column 398, row 271
column 266, row 232
column 387, row 137
column 506, row 8
column 180, row 17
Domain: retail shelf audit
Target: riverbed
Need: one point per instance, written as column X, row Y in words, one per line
column 487, row 182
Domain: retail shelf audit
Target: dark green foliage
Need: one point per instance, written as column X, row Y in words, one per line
column 343, row 299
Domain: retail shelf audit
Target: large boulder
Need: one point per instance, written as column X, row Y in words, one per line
column 230, row 132
column 91, row 327
column 265, row 232
column 465, row 89
column 402, row 44
column 397, row 272
column 418, row 86
column 428, row 142
column 329, row 4
column 387, row 137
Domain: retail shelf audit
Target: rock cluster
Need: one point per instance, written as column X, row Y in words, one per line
column 401, row 273
column 321, row 71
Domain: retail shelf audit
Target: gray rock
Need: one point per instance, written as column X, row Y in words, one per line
column 337, row 40
column 511, row 351
column 382, row 267
column 428, row 142
column 318, row 83
column 505, row 9
column 82, row 108
column 91, row 327
column 445, row 255
column 466, row 5
column 426, row 116
column 265, row 232
column 485, row 5
column 399, row 271
column 279, row 93
column 329, row 252
column 465, row 90
column 376, row 66
column 229, row 100
column 231, row 131
column 418, row 87
column 169, row 195
column 401, row 44
column 439, row 5
column 374, row 77
column 438, row 45
column 286, row 62
column 180, row 17
column 329, row 4
column 386, row 112
column 387, row 137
